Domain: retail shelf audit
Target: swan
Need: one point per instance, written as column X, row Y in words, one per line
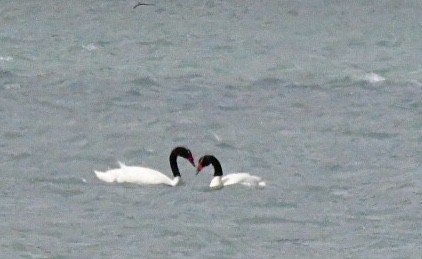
column 236, row 178
column 144, row 175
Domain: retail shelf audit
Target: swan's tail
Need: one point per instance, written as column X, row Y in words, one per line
column 253, row 181
column 257, row 181
column 262, row 184
column 111, row 175
column 107, row 177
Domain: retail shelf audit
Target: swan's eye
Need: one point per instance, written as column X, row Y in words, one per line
column 190, row 155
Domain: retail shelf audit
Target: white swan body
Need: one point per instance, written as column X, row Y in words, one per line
column 145, row 175
column 245, row 179
column 137, row 175
column 219, row 180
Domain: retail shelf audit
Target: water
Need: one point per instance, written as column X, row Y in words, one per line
column 323, row 100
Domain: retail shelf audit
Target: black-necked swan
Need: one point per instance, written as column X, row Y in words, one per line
column 144, row 175
column 236, row 178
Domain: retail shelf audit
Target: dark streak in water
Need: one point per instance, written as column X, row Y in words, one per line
column 278, row 220
column 141, row 4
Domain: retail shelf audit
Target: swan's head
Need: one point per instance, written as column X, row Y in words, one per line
column 203, row 162
column 185, row 153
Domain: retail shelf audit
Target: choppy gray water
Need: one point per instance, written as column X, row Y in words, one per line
column 323, row 99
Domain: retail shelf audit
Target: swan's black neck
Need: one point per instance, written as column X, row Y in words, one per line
column 173, row 163
column 218, row 171
column 183, row 152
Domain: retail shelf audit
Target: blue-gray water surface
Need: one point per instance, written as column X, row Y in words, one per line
column 322, row 99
